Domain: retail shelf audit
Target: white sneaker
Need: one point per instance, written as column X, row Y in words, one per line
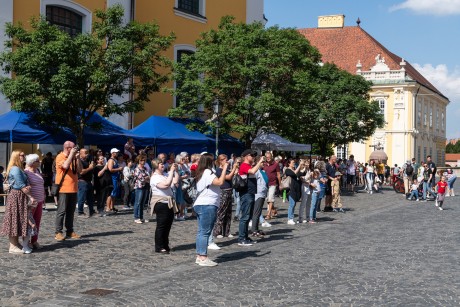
column 230, row 236
column 440, row 208
column 26, row 249
column 213, row 246
column 219, row 236
column 266, row 224
column 291, row 222
column 437, row 205
column 418, row 199
column 304, row 221
column 206, row 262
column 370, row 193
column 250, row 224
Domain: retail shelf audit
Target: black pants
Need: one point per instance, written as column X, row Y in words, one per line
column 258, row 205
column 165, row 217
column 66, row 209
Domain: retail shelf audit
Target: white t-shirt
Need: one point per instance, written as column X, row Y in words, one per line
column 209, row 193
column 156, row 179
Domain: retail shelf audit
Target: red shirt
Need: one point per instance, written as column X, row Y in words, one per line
column 252, row 181
column 442, row 187
column 272, row 171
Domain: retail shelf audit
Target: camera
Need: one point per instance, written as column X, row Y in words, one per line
column 77, row 148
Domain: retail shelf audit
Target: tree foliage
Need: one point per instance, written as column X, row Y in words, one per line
column 251, row 71
column 271, row 78
column 61, row 80
column 453, row 148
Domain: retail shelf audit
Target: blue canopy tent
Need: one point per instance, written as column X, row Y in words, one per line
column 18, row 127
column 168, row 135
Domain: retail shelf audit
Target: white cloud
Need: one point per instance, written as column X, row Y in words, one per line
column 430, row 7
column 448, row 82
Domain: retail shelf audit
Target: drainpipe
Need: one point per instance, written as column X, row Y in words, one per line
column 131, row 95
column 415, row 123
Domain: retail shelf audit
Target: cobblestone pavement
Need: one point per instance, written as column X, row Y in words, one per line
column 385, row 251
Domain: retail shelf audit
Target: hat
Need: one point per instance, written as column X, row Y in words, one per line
column 204, row 152
column 249, row 152
column 338, row 173
column 114, row 150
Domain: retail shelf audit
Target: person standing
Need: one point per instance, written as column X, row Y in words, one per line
column 130, row 149
column 407, row 171
column 37, row 190
column 47, row 171
column 247, row 196
column 294, row 194
column 102, row 184
column 206, row 205
column 352, row 167
column 451, row 177
column 331, row 169
column 163, row 203
column 68, row 166
column 336, row 200
column 272, row 169
column 115, row 169
column 442, row 186
column 432, row 167
column 141, row 188
column 15, row 218
column 85, row 187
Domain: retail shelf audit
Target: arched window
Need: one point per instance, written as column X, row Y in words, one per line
column 67, row 20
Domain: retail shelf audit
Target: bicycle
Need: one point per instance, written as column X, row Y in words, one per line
column 398, row 185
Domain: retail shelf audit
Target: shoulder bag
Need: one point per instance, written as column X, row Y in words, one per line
column 56, row 187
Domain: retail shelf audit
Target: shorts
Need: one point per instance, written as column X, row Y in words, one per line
column 116, row 188
column 351, row 179
column 271, row 194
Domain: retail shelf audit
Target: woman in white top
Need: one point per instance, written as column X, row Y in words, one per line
column 163, row 202
column 371, row 172
column 206, row 205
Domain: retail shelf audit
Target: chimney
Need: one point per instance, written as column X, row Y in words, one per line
column 331, row 21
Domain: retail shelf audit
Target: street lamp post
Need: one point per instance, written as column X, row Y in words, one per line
column 217, row 108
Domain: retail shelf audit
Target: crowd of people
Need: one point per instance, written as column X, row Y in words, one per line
column 172, row 185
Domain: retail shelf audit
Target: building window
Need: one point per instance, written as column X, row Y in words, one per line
column 431, row 118
column 180, row 54
column 67, row 20
column 418, row 154
column 342, row 151
column 191, row 6
column 425, row 122
column 437, row 119
column 419, row 115
column 424, row 152
column 442, row 120
column 431, row 151
column 381, row 105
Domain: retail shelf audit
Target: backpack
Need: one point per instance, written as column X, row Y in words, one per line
column 409, row 169
column 239, row 183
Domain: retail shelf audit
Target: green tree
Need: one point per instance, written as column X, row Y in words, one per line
column 61, row 81
column 251, row 70
column 337, row 112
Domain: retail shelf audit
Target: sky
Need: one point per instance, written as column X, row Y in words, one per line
column 425, row 33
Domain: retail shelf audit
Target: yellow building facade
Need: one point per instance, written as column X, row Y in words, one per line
column 414, row 109
column 185, row 18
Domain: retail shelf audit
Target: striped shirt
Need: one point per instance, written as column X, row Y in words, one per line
column 37, row 187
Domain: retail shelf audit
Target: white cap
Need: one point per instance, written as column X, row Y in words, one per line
column 204, row 152
column 114, row 150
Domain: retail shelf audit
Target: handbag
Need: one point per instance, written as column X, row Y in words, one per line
column 54, row 191
column 285, row 183
column 239, row 183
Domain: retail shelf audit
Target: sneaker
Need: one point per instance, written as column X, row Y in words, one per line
column 197, row 260
column 440, row 208
column 291, row 222
column 250, row 224
column 304, row 221
column 437, row 205
column 245, row 243
column 180, row 218
column 16, row 250
column 335, row 210
column 138, row 221
column 26, row 249
column 312, row 222
column 341, row 210
column 266, row 224
column 219, row 236
column 230, row 236
column 213, row 246
column 55, row 206
column 417, row 199
column 59, row 237
column 206, row 262
column 73, row 235
column 370, row 192
column 126, row 207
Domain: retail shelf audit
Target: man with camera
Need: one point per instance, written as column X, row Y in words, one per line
column 68, row 166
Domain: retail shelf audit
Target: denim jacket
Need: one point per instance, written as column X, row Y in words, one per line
column 17, row 178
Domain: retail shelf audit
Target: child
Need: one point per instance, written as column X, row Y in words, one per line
column 315, row 195
column 414, row 190
column 336, row 201
column 442, row 185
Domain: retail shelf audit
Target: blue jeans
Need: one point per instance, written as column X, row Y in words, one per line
column 206, row 216
column 291, row 208
column 425, row 189
column 85, row 192
column 139, row 201
column 236, row 197
column 451, row 182
column 413, row 194
column 314, row 203
column 247, row 206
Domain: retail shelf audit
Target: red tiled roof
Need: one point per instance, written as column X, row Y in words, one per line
column 452, row 157
column 348, row 45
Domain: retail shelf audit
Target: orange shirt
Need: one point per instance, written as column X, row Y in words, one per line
column 70, row 183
